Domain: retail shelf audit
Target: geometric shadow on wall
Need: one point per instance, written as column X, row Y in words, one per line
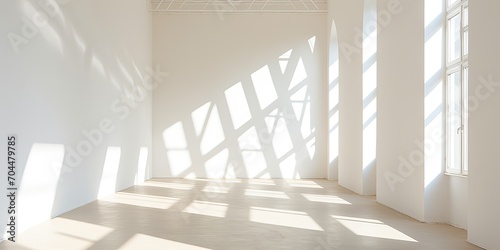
column 262, row 129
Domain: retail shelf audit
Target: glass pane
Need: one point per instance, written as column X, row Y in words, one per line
column 452, row 2
column 466, row 42
column 454, row 49
column 454, row 122
column 465, row 146
column 466, row 16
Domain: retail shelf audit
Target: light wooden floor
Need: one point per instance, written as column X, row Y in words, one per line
column 237, row 214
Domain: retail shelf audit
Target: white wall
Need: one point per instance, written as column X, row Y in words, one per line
column 437, row 186
column 333, row 96
column 484, row 121
column 458, row 201
column 353, row 28
column 348, row 16
column 62, row 79
column 247, row 96
column 410, row 110
column 400, row 166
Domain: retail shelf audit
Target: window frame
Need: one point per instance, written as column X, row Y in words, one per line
column 461, row 65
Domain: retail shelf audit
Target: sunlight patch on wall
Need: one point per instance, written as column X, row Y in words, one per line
column 434, row 46
column 369, row 86
column 255, row 163
column 231, row 169
column 216, row 166
column 174, row 137
column 199, row 117
column 110, row 172
column 288, row 167
column 39, row 183
column 251, row 151
column 284, row 60
column 264, row 87
column 175, row 142
column 369, row 133
column 142, row 166
column 311, row 147
column 238, row 105
column 301, row 104
column 435, row 101
column 282, row 143
column 299, row 75
column 312, row 43
column 333, row 102
column 179, row 160
column 213, row 134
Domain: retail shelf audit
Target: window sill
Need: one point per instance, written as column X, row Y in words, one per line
column 457, row 175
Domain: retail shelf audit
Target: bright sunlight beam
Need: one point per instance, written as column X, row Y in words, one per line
column 141, row 200
column 326, row 199
column 238, row 105
column 285, row 218
column 175, row 142
column 264, row 87
column 299, row 75
column 169, row 185
column 69, row 234
column 142, row 241
column 207, row 208
column 266, row 194
column 39, row 184
column 213, row 134
column 110, row 172
column 142, row 163
column 372, row 228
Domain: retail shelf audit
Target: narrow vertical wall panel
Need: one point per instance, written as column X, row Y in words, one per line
column 369, row 94
column 484, row 122
column 348, row 16
column 333, row 102
column 400, row 161
column 436, row 183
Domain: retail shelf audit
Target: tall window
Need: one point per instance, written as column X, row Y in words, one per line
column 457, row 68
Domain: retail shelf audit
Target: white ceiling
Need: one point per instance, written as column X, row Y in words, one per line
column 238, row 6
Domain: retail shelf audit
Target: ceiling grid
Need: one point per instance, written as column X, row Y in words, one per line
column 238, row 6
